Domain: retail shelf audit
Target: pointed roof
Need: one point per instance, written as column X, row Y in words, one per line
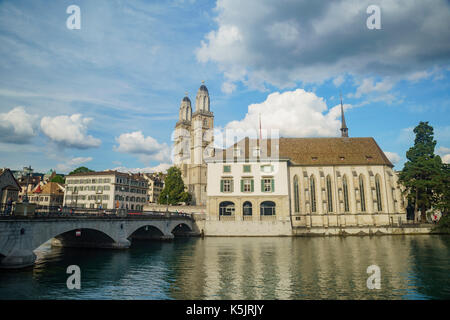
column 344, row 129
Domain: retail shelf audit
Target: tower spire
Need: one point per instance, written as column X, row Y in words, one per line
column 344, row 129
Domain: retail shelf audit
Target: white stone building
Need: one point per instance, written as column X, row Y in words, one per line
column 106, row 190
column 277, row 187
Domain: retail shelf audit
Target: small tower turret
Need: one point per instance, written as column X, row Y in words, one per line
column 344, row 129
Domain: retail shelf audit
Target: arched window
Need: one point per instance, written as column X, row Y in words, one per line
column 267, row 208
column 313, row 194
column 345, row 187
column 362, row 193
column 296, row 195
column 226, row 208
column 329, row 195
column 378, row 191
column 247, row 208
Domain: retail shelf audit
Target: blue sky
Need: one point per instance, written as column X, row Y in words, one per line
column 107, row 95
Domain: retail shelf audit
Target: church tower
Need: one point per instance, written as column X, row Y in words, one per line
column 344, row 129
column 182, row 149
column 193, row 134
column 202, row 126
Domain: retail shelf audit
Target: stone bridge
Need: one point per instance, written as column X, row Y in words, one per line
column 19, row 236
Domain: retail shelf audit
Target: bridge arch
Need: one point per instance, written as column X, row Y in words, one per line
column 181, row 229
column 147, row 231
column 91, row 235
column 85, row 237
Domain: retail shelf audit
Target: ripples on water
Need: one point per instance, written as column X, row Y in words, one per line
column 412, row 267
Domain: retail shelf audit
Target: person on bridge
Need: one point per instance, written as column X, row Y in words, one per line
column 8, row 206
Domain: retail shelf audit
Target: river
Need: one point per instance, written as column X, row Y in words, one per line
column 411, row 267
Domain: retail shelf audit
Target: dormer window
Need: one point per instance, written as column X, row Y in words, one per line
column 256, row 152
column 236, row 152
column 342, row 158
column 314, row 158
column 369, row 158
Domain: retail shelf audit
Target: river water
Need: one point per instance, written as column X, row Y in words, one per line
column 411, row 267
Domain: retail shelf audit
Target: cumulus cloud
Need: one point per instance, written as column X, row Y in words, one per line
column 392, row 156
column 69, row 131
column 262, row 42
column 292, row 113
column 17, row 126
column 72, row 163
column 147, row 148
column 444, row 153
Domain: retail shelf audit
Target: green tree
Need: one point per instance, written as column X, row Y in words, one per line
column 57, row 178
column 81, row 169
column 422, row 174
column 173, row 191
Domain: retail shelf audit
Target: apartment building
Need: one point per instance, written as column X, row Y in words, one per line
column 106, row 190
column 155, row 187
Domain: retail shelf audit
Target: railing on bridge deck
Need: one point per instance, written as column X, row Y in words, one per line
column 60, row 211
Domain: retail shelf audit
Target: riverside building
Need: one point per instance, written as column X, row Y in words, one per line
column 292, row 186
column 106, row 190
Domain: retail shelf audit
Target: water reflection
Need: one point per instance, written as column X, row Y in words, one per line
column 412, row 267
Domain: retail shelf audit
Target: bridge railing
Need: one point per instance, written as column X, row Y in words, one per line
column 61, row 211
column 6, row 210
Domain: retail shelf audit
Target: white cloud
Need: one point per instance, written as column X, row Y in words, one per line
column 147, row 148
column 260, row 41
column 392, row 156
column 446, row 158
column 72, row 163
column 293, row 113
column 162, row 167
column 369, row 86
column 444, row 153
column 228, row 87
column 69, row 131
column 338, row 81
column 17, row 126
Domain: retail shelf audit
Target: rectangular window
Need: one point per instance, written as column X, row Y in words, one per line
column 236, row 152
column 247, row 185
column 226, row 185
column 226, row 169
column 267, row 168
column 247, row 168
column 267, row 185
column 257, row 152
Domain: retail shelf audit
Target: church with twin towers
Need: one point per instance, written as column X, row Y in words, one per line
column 274, row 186
column 194, row 138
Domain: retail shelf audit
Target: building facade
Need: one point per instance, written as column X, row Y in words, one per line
column 193, row 144
column 106, row 190
column 49, row 195
column 155, row 187
column 9, row 188
column 278, row 186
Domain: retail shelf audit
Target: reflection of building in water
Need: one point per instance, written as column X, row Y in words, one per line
column 294, row 268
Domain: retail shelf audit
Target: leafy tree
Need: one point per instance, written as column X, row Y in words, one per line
column 57, row 178
column 422, row 174
column 81, row 169
column 173, row 191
